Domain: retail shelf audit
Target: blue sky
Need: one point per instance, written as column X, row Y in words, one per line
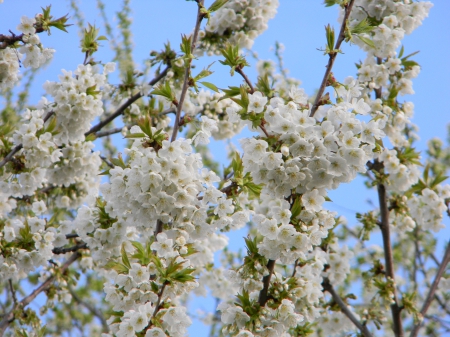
column 299, row 25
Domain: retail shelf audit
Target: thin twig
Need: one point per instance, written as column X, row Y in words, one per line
column 9, row 317
column 158, row 302
column 13, row 292
column 295, row 268
column 345, row 310
column 431, row 293
column 422, row 266
column 106, row 161
column 332, row 57
column 159, row 228
column 187, row 72
column 86, row 58
column 247, row 80
column 9, row 40
column 167, row 111
column 125, row 105
column 62, row 250
column 389, row 261
column 108, row 132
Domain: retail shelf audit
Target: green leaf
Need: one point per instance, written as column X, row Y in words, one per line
column 230, row 92
column 367, row 41
column 330, row 3
column 402, row 50
column 362, row 27
column 412, row 54
column 90, row 137
column 232, row 58
column 104, row 173
column 119, row 161
column 254, row 189
column 164, row 90
column 252, row 245
column 264, row 86
column 296, row 208
column 210, row 86
column 204, row 73
column 125, row 259
column 437, row 180
column 135, row 135
column 216, row 5
column 185, row 46
column 330, row 35
column 118, row 267
column 91, row 91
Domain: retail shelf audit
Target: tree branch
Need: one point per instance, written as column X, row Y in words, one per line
column 263, row 298
column 249, row 83
column 332, row 57
column 9, row 40
column 125, row 105
column 431, row 293
column 62, row 250
column 345, row 310
column 13, row 292
column 9, row 317
column 187, row 72
column 108, row 132
column 389, row 261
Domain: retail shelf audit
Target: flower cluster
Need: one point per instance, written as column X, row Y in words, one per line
column 396, row 19
column 35, row 54
column 427, row 209
column 151, row 229
column 237, row 22
column 165, row 189
column 77, row 101
column 9, row 68
column 212, row 106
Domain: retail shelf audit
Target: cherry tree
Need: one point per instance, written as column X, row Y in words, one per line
column 119, row 240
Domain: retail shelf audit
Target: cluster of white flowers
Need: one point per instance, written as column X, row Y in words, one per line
column 397, row 18
column 238, row 22
column 133, row 294
column 35, row 54
column 301, row 160
column 210, row 105
column 154, row 231
column 9, row 68
column 34, row 244
column 77, row 101
column 169, row 187
column 47, row 157
column 401, row 176
column 427, row 209
column 338, row 259
column 312, row 155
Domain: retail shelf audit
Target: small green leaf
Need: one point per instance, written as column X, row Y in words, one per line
column 104, row 173
column 216, row 5
column 125, row 259
column 135, row 135
column 367, row 41
column 210, row 86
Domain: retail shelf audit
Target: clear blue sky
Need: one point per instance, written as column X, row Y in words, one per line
column 299, row 25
